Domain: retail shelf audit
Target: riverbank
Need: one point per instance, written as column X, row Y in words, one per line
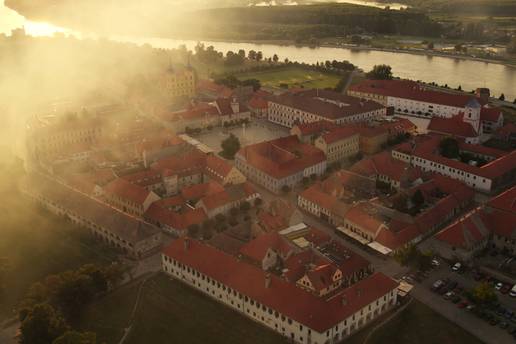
column 428, row 53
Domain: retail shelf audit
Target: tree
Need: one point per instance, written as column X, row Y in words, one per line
column 73, row 293
column 193, row 230
column 42, row 324
column 305, row 181
column 220, row 218
column 230, row 147
column 258, row 202
column 259, row 56
column 380, row 72
column 430, row 46
column 233, row 212
column 449, row 148
column 285, row 189
column 241, row 53
column 502, row 97
column 275, row 58
column 252, row 55
column 255, row 83
column 245, row 206
column 484, row 293
column 418, row 199
column 74, row 337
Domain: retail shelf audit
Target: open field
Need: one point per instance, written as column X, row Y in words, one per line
column 171, row 312
column 417, row 324
column 37, row 243
column 293, row 77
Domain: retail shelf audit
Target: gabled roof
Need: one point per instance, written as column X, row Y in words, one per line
column 282, row 157
column 328, row 104
column 453, row 126
column 256, row 249
column 124, row 189
column 339, row 134
column 468, row 231
column 491, row 114
column 505, row 201
column 198, row 191
column 412, row 90
column 317, row 127
column 316, row 313
column 217, row 167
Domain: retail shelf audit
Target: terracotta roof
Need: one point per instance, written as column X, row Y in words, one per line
column 259, row 102
column 189, row 163
column 384, row 164
column 468, row 231
column 143, row 178
column 285, row 297
column 505, row 201
column 196, row 192
column 127, row 227
column 257, row 248
column 282, row 157
column 204, row 85
column 231, row 194
column 322, row 103
column 490, row 114
column 179, row 221
column 316, row 127
column 453, row 126
column 124, row 189
column 339, row 134
column 412, row 90
column 217, row 167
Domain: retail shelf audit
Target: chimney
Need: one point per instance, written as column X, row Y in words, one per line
column 267, row 280
column 235, row 106
column 186, row 243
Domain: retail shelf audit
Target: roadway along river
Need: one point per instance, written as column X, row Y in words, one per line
column 442, row 70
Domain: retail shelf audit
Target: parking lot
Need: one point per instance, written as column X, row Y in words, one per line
column 494, row 324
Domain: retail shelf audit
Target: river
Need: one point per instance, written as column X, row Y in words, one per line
column 442, row 70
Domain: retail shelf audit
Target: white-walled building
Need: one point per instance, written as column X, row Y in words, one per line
column 275, row 303
column 316, row 105
column 281, row 162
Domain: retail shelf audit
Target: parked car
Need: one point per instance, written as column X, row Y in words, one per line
column 471, row 307
column 505, row 289
column 437, row 285
column 512, row 293
column 449, row 295
column 456, row 267
column 509, row 314
column 463, row 304
column 435, row 262
column 498, row 286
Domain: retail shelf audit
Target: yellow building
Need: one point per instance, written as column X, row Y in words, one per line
column 179, row 83
column 339, row 144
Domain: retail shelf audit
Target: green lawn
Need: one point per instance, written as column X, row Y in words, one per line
column 37, row 243
column 294, row 77
column 171, row 312
column 417, row 324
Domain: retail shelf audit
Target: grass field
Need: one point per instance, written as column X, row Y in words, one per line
column 293, row 77
column 171, row 312
column 417, row 324
column 37, row 243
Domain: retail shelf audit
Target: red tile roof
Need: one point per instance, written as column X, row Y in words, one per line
column 257, row 248
column 282, row 157
column 217, row 167
column 453, row 126
column 189, row 163
column 316, row 127
column 144, row 178
column 505, row 201
column 468, row 231
column 322, row 103
column 317, row 313
column 127, row 191
column 212, row 87
column 384, row 164
column 339, row 134
column 412, row 90
column 490, row 114
column 196, row 192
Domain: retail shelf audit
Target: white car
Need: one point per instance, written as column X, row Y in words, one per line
column 435, row 262
column 456, row 267
column 513, row 291
column 499, row 286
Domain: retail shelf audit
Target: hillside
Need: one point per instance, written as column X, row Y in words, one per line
column 277, row 22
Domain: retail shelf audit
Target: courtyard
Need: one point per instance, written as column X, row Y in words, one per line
column 256, row 131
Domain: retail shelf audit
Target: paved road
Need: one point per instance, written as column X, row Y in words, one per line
column 478, row 327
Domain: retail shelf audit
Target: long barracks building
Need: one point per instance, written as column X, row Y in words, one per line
column 273, row 302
